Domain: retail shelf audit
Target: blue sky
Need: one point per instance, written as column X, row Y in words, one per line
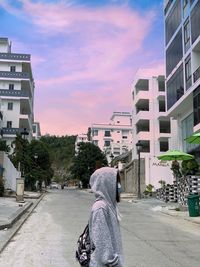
column 84, row 55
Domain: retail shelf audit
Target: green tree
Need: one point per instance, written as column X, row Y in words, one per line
column 4, row 147
column 61, row 150
column 34, row 160
column 84, row 164
column 189, row 167
column 38, row 167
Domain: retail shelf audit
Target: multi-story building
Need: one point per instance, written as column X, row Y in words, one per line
column 113, row 138
column 150, row 125
column 36, row 131
column 16, row 92
column 182, row 52
column 81, row 138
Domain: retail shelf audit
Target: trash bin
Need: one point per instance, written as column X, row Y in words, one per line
column 193, row 205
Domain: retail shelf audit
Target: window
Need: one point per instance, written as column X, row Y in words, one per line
column 124, row 137
column 173, row 20
column 185, row 7
column 195, row 17
column 196, row 105
column 164, row 146
column 34, row 129
column 95, row 132
column 11, row 86
column 107, row 133
column 107, row 143
column 188, row 76
column 187, row 35
column 175, row 89
column 161, row 105
column 185, row 2
column 12, row 68
column 174, row 53
column 118, row 121
column 161, row 86
column 164, row 126
column 10, row 106
column 9, row 124
column 187, row 130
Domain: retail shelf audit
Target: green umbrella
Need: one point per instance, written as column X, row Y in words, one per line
column 193, row 139
column 175, row 155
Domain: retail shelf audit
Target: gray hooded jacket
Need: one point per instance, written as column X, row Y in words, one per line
column 103, row 223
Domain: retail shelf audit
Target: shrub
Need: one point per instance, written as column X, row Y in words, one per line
column 1, row 187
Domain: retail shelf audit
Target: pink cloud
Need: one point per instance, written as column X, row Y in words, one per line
column 93, row 78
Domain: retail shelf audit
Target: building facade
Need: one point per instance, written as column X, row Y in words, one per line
column 36, row 131
column 151, row 126
column 81, row 138
column 16, row 92
column 182, row 54
column 113, row 138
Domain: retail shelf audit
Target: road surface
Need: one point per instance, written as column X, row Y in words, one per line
column 48, row 238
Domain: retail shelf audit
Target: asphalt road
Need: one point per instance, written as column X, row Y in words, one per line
column 48, row 238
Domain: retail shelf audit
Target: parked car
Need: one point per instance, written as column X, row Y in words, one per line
column 54, row 185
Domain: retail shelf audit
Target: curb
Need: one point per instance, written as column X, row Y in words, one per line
column 16, row 216
column 12, row 234
column 181, row 218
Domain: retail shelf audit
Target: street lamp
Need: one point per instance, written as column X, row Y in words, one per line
column 20, row 180
column 111, row 157
column 24, row 134
column 139, row 147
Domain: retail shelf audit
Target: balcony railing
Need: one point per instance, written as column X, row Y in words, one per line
column 196, row 74
column 15, row 93
column 11, row 131
column 20, row 75
column 12, row 56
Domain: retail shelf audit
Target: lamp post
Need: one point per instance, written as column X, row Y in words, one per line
column 139, row 148
column 20, row 180
column 111, row 157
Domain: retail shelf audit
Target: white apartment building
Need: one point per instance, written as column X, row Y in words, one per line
column 79, row 139
column 182, row 53
column 151, row 126
column 16, row 92
column 36, row 131
column 115, row 137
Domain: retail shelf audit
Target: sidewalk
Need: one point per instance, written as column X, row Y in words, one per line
column 169, row 208
column 11, row 210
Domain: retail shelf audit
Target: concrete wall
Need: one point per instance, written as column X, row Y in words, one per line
column 10, row 174
column 131, row 177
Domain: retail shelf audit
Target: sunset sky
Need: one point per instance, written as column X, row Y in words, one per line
column 84, row 55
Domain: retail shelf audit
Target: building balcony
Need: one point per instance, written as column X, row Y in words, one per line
column 25, row 121
column 143, row 135
column 11, row 131
column 14, row 75
column 142, row 115
column 13, row 56
column 141, row 95
column 13, row 93
column 164, row 136
column 161, row 96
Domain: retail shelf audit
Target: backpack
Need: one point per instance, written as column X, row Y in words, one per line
column 85, row 248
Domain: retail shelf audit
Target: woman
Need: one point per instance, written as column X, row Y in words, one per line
column 104, row 220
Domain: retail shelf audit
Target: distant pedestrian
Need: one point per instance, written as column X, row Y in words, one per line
column 80, row 185
column 104, row 226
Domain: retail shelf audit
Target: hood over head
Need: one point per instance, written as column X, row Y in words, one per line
column 103, row 184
